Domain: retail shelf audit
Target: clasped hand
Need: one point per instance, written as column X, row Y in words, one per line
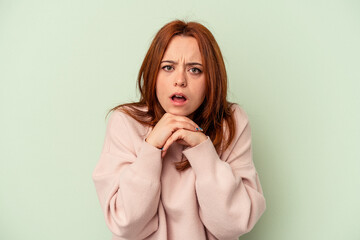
column 173, row 128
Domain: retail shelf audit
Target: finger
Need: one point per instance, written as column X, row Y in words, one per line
column 177, row 125
column 182, row 142
column 163, row 153
column 175, row 136
column 187, row 120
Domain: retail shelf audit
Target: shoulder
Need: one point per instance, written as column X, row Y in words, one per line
column 236, row 123
column 241, row 140
column 240, row 116
column 122, row 123
column 241, row 123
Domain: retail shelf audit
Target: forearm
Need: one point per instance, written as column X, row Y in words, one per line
column 130, row 194
column 229, row 198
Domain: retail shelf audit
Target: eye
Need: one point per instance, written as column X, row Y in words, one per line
column 195, row 70
column 167, row 68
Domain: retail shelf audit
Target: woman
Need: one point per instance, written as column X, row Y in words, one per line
column 178, row 163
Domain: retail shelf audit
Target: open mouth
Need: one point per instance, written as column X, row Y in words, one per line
column 179, row 98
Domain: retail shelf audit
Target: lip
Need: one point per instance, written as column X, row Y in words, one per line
column 178, row 103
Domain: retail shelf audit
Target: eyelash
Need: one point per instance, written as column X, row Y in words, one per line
column 166, row 66
column 198, row 71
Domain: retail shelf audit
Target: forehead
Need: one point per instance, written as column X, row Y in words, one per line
column 183, row 47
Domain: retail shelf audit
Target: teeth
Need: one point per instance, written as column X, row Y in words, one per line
column 178, row 96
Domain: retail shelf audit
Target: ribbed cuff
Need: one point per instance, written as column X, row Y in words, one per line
column 203, row 158
column 148, row 163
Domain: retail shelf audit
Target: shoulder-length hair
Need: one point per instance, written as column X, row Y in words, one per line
column 214, row 115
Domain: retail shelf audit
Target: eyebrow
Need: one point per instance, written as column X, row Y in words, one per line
column 187, row 64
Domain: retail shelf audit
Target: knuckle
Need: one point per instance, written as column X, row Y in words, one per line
column 181, row 131
column 173, row 126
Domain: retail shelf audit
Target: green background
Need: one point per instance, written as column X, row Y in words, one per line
column 293, row 66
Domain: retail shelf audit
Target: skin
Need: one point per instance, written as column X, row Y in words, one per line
column 181, row 71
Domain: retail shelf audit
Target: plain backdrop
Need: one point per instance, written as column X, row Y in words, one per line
column 292, row 65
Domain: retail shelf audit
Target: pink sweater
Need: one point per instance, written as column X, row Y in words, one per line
column 145, row 197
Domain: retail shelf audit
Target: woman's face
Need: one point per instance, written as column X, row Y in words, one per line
column 180, row 84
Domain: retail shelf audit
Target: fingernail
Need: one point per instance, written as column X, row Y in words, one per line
column 197, row 129
column 161, row 148
column 201, row 129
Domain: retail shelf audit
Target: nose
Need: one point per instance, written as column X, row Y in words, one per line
column 180, row 79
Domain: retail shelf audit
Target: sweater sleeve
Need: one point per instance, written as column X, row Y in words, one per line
column 229, row 192
column 127, row 182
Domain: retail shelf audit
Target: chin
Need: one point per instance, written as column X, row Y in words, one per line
column 179, row 112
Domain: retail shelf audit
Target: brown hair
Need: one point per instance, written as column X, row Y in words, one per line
column 214, row 114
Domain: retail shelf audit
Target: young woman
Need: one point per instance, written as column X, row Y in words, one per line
column 178, row 163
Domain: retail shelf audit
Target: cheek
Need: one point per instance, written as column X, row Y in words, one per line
column 160, row 88
column 201, row 89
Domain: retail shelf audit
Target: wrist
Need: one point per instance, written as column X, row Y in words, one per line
column 152, row 143
column 202, row 139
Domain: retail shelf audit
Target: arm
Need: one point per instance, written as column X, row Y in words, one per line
column 229, row 192
column 127, row 183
